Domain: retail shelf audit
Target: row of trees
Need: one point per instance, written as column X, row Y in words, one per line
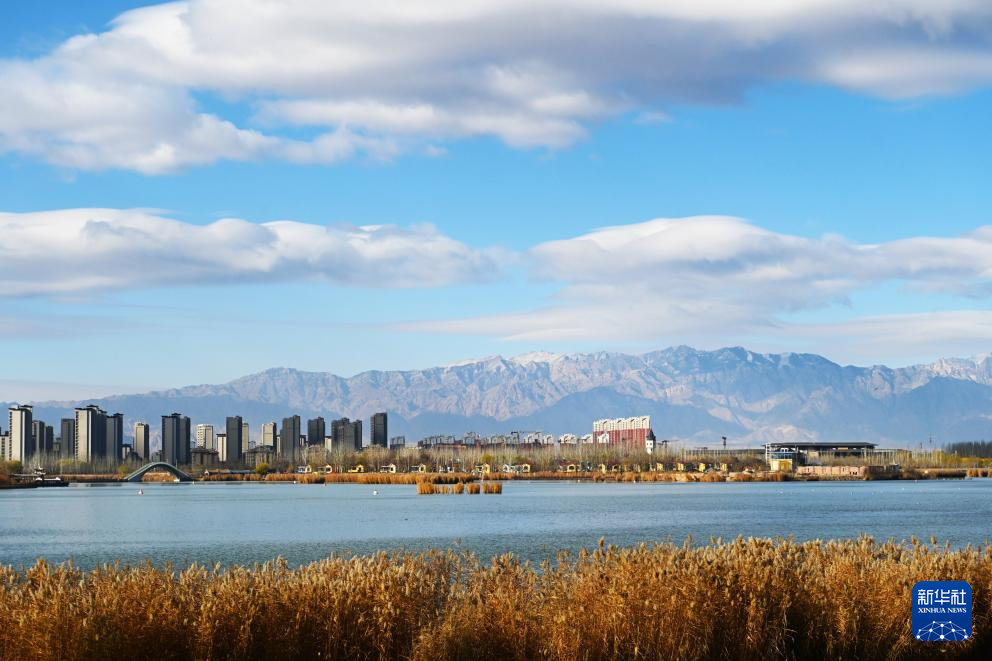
column 55, row 463
column 540, row 458
column 980, row 449
column 552, row 458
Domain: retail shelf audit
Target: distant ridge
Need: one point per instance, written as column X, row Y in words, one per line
column 694, row 396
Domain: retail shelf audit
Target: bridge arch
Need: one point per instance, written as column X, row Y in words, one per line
column 139, row 474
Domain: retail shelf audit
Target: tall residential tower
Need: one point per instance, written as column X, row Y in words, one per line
column 175, row 439
column 346, row 434
column 269, row 434
column 289, row 438
column 20, row 445
column 230, row 452
column 91, row 434
column 142, row 446
column 315, row 431
column 115, row 435
column 205, row 437
column 377, row 430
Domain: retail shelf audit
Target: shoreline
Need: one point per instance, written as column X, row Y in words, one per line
column 575, row 477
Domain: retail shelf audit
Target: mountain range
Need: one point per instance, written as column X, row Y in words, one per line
column 692, row 395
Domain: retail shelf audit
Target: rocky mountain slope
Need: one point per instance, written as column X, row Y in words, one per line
column 693, row 395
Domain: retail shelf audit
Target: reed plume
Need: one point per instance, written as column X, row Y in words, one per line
column 744, row 599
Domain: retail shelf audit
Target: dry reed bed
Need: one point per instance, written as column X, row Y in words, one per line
column 425, row 488
column 370, row 478
column 224, row 477
column 746, row 599
column 933, row 473
column 457, row 478
column 93, row 477
column 595, row 476
column 646, row 476
column 156, row 476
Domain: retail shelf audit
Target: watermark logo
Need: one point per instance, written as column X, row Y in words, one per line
column 942, row 610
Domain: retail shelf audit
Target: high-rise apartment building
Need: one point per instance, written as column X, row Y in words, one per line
column 142, row 446
column 38, row 436
column 115, row 436
column 205, row 437
column 346, row 434
column 269, row 434
column 175, row 439
column 289, row 438
column 90, row 433
column 20, row 445
column 231, row 453
column 378, row 435
column 41, row 437
column 245, row 438
column 316, row 429
column 185, row 445
column 67, row 439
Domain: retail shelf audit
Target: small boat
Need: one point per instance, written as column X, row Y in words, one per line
column 52, row 482
column 375, row 492
column 141, row 492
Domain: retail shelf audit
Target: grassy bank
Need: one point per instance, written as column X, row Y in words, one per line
column 753, row 599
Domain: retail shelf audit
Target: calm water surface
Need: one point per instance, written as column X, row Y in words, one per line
column 246, row 522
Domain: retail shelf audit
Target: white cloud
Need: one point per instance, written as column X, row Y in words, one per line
column 85, row 120
column 722, row 279
column 896, row 338
column 374, row 76
column 74, row 250
column 705, row 280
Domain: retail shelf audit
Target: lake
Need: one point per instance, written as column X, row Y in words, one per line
column 253, row 522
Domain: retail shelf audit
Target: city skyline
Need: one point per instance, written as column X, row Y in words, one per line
column 742, row 181
column 102, row 439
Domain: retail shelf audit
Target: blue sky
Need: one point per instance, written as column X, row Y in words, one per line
column 822, row 193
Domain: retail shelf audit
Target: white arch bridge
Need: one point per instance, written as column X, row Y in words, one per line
column 137, row 475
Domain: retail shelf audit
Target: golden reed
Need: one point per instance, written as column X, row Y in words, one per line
column 746, row 599
column 427, row 488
